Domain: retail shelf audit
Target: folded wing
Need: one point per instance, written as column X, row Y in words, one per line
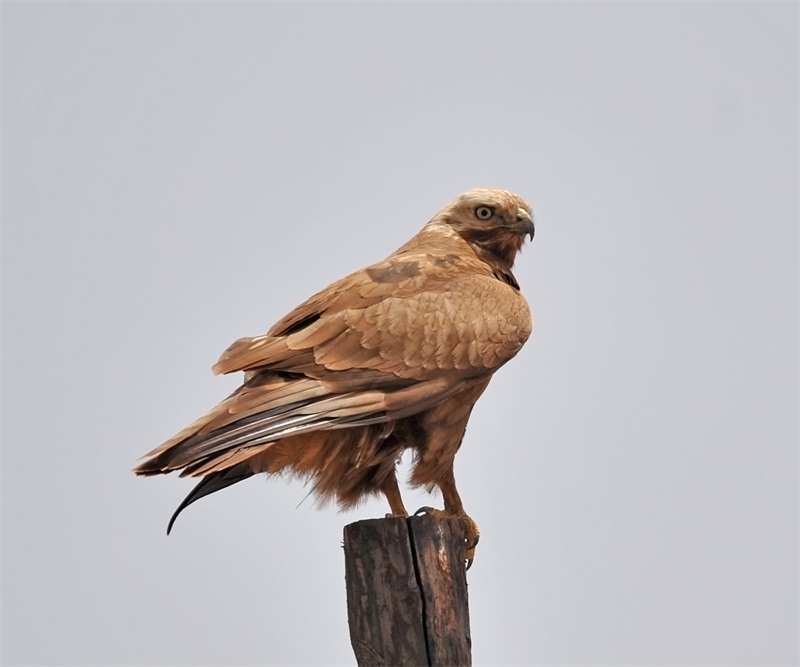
column 384, row 343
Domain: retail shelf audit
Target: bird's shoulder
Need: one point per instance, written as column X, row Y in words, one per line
column 432, row 304
column 432, row 260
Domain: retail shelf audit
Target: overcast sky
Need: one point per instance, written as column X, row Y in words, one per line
column 176, row 176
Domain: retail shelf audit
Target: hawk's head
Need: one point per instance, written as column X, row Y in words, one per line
column 494, row 222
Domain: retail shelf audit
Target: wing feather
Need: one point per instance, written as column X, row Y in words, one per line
column 386, row 342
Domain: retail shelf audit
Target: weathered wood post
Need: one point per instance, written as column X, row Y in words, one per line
column 407, row 592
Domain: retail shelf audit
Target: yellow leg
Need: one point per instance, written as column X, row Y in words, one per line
column 454, row 509
column 392, row 492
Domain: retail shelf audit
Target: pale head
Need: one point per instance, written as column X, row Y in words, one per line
column 494, row 222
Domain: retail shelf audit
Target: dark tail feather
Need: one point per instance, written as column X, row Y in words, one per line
column 211, row 483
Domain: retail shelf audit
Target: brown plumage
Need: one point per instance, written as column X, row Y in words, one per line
column 389, row 358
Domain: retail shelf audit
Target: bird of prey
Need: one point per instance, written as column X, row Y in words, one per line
column 387, row 359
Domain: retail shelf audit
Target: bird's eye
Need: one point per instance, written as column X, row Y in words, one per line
column 484, row 212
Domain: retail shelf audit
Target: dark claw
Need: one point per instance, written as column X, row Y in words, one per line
column 471, row 547
column 424, row 510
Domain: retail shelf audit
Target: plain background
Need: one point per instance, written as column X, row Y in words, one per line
column 176, row 176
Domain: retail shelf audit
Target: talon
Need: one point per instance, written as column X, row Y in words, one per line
column 471, row 533
column 470, row 553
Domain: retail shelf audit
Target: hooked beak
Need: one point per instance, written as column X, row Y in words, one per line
column 525, row 223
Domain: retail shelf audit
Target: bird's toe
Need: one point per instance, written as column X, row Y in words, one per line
column 471, row 533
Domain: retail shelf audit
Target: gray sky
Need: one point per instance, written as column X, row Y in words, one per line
column 176, row 176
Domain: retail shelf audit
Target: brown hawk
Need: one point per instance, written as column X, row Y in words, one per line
column 389, row 358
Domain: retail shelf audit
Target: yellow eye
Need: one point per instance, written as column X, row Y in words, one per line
column 484, row 212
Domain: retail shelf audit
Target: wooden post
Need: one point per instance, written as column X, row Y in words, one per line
column 407, row 592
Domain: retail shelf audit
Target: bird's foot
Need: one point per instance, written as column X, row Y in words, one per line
column 471, row 533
